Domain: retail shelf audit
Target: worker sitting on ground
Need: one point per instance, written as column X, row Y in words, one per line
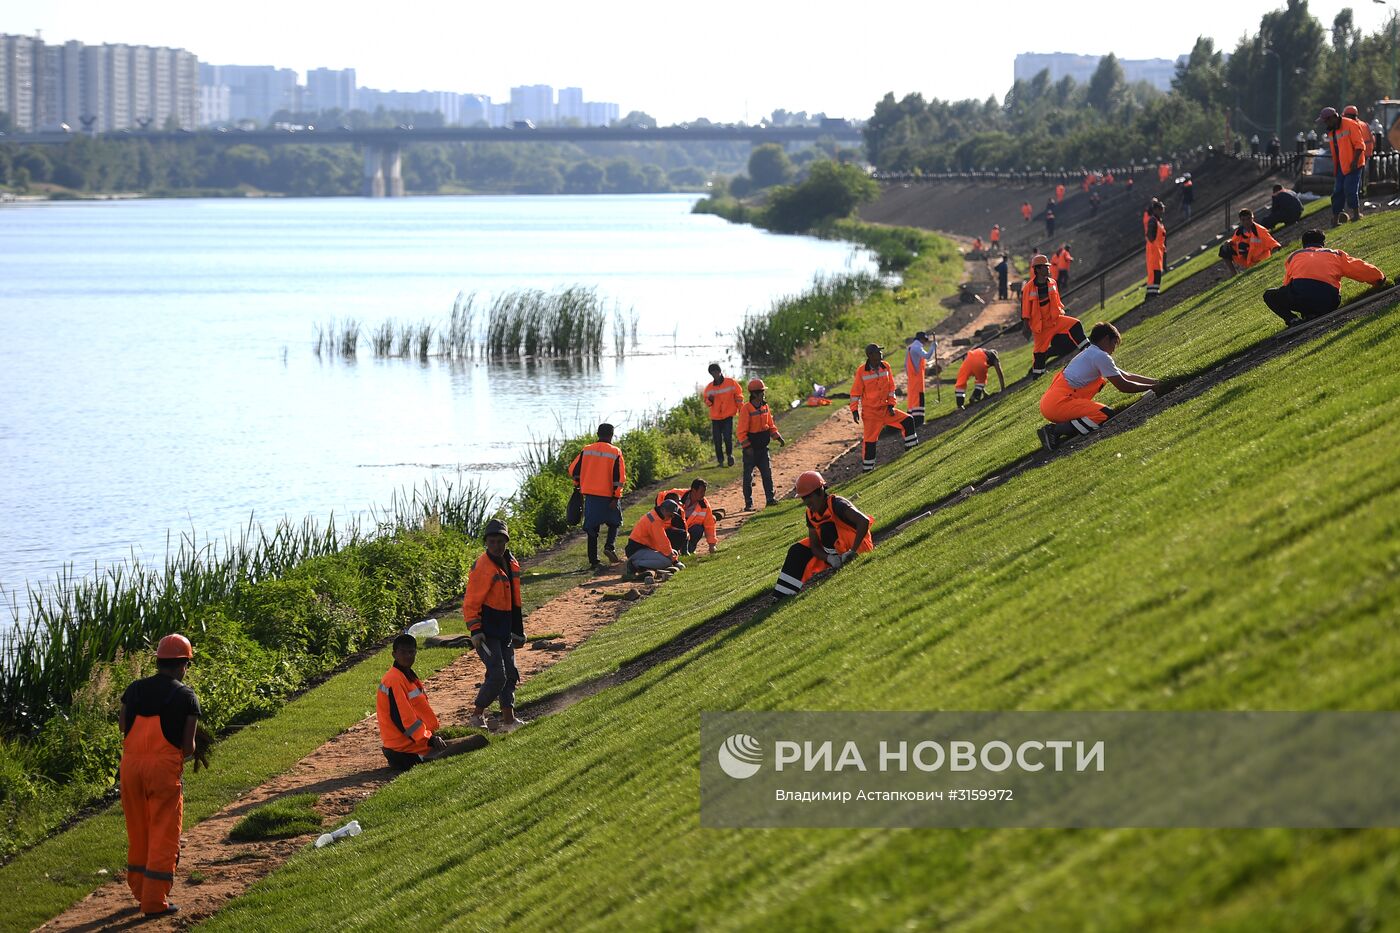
column 974, row 366
column 756, row 429
column 916, row 359
column 722, row 396
column 1284, row 208
column 1248, row 246
column 1055, row 333
column 496, row 624
column 159, row 719
column 873, row 406
column 1312, row 280
column 836, row 532
column 600, row 473
column 648, row 546
column 1069, row 403
column 977, row 247
column 407, row 723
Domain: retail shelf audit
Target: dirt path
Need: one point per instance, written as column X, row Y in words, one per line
column 350, row 767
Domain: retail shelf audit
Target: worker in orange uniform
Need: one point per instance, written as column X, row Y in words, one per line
column 1060, row 194
column 1026, row 211
column 1312, row 280
column 977, row 246
column 836, row 532
column 1069, row 403
column 407, row 723
column 491, row 608
column 1346, row 138
column 1368, row 139
column 873, row 405
column 600, row 473
column 921, row 350
column 722, row 396
column 648, row 546
column 1248, row 246
column 1060, row 261
column 1155, row 234
column 756, row 430
column 696, row 515
column 1164, row 171
column 1054, row 333
column 974, row 366
column 995, row 236
column 158, row 719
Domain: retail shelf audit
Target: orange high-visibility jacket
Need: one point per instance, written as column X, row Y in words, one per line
column 1059, row 192
column 756, row 419
column 1329, row 265
column 599, row 470
column 1026, row 210
column 1156, row 234
column 1347, row 142
column 406, row 720
column 1041, row 311
column 1061, row 260
column 1367, row 138
column 845, row 534
column 872, row 390
column 698, row 512
column 722, row 400
column 677, row 494
column 1252, row 246
column 977, row 244
column 650, row 531
column 996, row 234
column 490, row 587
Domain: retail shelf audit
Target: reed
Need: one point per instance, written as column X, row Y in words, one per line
column 534, row 323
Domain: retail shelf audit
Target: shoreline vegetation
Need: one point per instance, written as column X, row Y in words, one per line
column 278, row 608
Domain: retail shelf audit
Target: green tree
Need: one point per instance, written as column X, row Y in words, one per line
column 1107, row 89
column 623, row 177
column 1201, row 78
column 686, row 177
column 831, row 191
column 585, row 177
column 769, row 165
column 638, row 118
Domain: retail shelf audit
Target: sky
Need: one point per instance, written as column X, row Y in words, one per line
column 724, row 60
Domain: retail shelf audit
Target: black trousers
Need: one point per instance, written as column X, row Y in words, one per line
column 757, row 457
column 1001, row 288
column 1302, row 298
column 1060, row 345
column 722, row 432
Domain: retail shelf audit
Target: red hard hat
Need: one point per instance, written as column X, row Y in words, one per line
column 174, row 646
column 810, row 482
column 756, row 385
column 1039, row 259
column 1349, row 110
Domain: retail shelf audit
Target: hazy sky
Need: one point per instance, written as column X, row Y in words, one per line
column 724, row 60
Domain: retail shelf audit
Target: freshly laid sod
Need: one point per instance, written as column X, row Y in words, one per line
column 1237, row 551
column 282, row 818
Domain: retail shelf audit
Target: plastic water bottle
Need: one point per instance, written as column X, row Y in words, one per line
column 351, row 828
column 425, row 629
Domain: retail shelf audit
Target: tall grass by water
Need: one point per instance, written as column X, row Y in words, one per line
column 773, row 337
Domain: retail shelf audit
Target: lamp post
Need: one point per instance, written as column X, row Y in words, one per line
column 1278, row 89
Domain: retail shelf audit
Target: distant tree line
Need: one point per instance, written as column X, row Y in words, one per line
column 1064, row 124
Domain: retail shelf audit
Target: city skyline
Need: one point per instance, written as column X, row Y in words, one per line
column 738, row 61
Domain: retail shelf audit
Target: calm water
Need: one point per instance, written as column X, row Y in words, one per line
column 158, row 374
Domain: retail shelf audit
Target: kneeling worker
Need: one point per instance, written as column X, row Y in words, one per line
column 1249, row 245
column 1054, row 333
column 699, row 517
column 974, row 366
column 491, row 608
column 1312, row 280
column 649, row 547
column 872, row 405
column 836, row 532
column 1069, row 402
column 407, row 722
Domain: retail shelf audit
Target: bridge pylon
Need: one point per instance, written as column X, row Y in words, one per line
column 383, row 171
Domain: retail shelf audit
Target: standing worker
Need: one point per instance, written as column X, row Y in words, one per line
column 600, row 473
column 1049, row 221
column 158, row 719
column 1348, row 147
column 1060, row 263
column 1312, row 280
column 491, row 608
column 873, row 406
column 407, row 723
column 756, row 429
column 648, row 546
column 1188, row 195
column 1069, row 403
column 974, row 366
column 836, row 532
column 1368, row 141
column 1248, row 246
column 1054, row 333
column 995, row 237
column 1060, row 193
column 1003, row 274
column 916, row 360
column 1026, row 211
column 1155, row 233
column 722, row 396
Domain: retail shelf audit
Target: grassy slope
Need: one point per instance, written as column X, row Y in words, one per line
column 1252, row 538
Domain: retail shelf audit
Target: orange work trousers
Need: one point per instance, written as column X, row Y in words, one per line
column 154, row 804
column 1156, row 262
column 1062, row 403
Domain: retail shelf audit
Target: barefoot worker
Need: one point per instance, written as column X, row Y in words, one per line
column 1069, row 403
column 873, row 408
column 974, row 366
column 1312, row 280
column 600, row 473
column 648, row 546
column 722, row 396
column 1054, row 333
column 494, row 618
column 836, row 532
column 756, row 429
column 158, row 719
column 407, row 723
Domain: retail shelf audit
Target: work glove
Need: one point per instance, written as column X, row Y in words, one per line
column 203, row 742
column 855, row 416
column 781, row 442
column 479, row 643
column 437, row 742
column 889, row 410
column 517, row 640
column 712, row 548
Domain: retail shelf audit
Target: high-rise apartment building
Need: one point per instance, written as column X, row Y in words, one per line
column 598, row 113
column 330, row 89
column 534, row 102
column 19, row 80
column 569, row 109
column 255, row 92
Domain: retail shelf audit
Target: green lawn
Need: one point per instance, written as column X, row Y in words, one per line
column 1237, row 551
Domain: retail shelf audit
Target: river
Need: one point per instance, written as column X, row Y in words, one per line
column 158, row 374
